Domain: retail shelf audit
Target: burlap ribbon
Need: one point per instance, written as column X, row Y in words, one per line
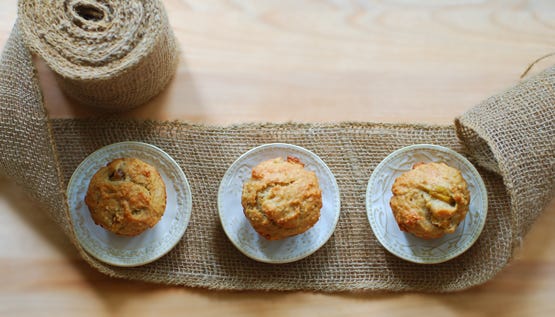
column 510, row 137
column 108, row 54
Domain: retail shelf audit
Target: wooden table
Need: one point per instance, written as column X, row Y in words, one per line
column 302, row 60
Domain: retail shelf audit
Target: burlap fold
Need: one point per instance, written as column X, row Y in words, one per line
column 513, row 134
column 510, row 137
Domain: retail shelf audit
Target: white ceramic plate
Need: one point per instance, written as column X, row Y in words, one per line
column 154, row 242
column 406, row 245
column 239, row 230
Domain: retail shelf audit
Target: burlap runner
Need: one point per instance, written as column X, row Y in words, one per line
column 510, row 137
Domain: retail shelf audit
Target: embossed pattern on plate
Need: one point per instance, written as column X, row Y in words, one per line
column 406, row 245
column 239, row 230
column 154, row 242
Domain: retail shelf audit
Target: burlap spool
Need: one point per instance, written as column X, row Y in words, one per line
column 510, row 137
column 109, row 54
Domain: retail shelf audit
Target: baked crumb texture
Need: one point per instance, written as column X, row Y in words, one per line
column 430, row 200
column 126, row 197
column 282, row 198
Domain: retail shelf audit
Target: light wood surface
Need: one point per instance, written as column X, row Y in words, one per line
column 302, row 60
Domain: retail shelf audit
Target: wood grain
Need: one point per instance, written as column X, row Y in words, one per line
column 304, row 60
column 392, row 61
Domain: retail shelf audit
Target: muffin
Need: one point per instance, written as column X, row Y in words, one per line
column 126, row 197
column 282, row 198
column 430, row 200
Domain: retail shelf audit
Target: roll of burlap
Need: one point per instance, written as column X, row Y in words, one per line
column 109, row 54
column 510, row 137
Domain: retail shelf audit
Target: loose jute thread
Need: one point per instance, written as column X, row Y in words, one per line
column 527, row 70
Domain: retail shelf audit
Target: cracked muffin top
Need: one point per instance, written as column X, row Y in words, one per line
column 430, row 200
column 282, row 198
column 126, row 197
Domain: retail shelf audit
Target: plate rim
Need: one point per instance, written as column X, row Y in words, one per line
column 448, row 151
column 332, row 179
column 187, row 212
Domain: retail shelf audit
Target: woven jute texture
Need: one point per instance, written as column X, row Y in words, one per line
column 109, row 54
column 509, row 137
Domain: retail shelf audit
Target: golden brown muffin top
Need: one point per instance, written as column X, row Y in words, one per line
column 281, row 198
column 126, row 197
column 430, row 200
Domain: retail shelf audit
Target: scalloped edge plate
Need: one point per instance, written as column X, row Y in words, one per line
column 405, row 245
column 154, row 242
column 239, row 230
